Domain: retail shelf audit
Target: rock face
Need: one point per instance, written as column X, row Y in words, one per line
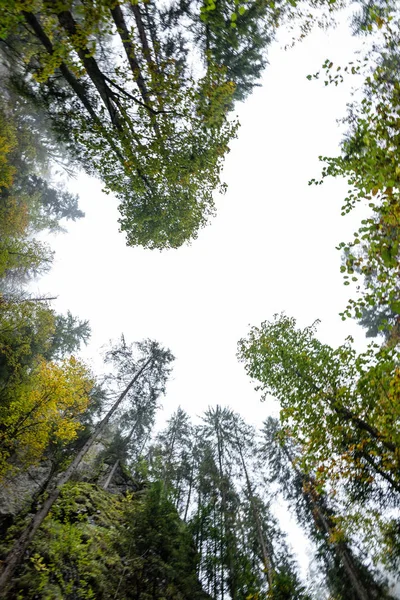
column 16, row 493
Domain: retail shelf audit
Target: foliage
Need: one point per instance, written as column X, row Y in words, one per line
column 369, row 163
column 97, row 545
column 342, row 408
column 129, row 113
column 160, row 548
column 26, row 330
column 69, row 333
column 7, row 144
column 41, row 409
column 74, row 554
column 346, row 576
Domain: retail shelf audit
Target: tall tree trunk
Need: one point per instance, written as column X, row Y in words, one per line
column 123, row 32
column 344, row 554
column 68, row 76
column 266, row 558
column 189, row 492
column 110, row 475
column 199, row 533
column 349, row 415
column 364, row 454
column 223, row 505
column 68, row 23
column 215, row 577
column 74, row 83
column 153, row 36
column 16, row 554
column 142, row 33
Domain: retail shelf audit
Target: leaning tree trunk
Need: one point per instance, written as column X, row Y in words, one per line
column 16, row 554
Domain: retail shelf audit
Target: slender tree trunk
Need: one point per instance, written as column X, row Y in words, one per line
column 382, row 473
column 348, row 415
column 344, row 554
column 16, row 554
column 199, row 533
column 167, row 463
column 189, row 492
column 115, row 465
column 23, row 300
column 152, row 64
column 110, row 475
column 153, row 37
column 223, row 506
column 266, row 558
column 215, row 554
column 142, row 33
column 68, row 76
column 178, row 493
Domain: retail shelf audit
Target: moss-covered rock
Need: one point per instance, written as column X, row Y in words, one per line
column 74, row 555
column 99, row 545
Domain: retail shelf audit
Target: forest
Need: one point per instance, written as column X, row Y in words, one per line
column 101, row 497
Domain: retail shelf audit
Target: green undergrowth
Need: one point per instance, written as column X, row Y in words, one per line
column 99, row 545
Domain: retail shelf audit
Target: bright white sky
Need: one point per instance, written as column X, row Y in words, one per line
column 271, row 247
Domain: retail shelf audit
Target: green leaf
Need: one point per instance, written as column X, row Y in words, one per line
column 395, row 306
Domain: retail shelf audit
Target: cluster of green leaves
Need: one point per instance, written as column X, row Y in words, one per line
column 369, row 162
column 117, row 87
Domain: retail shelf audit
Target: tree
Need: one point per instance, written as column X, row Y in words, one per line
column 173, row 457
column 154, row 364
column 341, row 406
column 134, row 427
column 22, row 260
column 26, row 330
column 42, row 409
column 245, row 550
column 368, row 161
column 160, row 548
column 69, row 333
column 152, row 132
column 31, row 201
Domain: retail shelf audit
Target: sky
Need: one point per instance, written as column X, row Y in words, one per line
column 271, row 247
